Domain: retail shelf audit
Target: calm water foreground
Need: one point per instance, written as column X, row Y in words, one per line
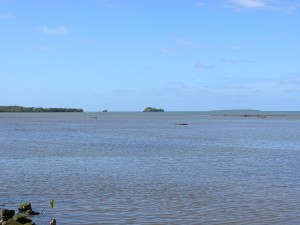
column 142, row 168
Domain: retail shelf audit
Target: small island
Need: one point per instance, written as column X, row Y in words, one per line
column 242, row 113
column 151, row 109
column 235, row 111
column 39, row 109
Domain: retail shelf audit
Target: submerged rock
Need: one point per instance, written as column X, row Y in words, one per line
column 14, row 222
column 10, row 222
column 53, row 222
column 24, row 207
column 31, row 212
column 6, row 214
column 9, row 218
column 22, row 219
column 182, row 124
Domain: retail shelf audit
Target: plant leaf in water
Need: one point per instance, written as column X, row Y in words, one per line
column 51, row 203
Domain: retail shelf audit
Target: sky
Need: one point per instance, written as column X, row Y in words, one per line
column 125, row 55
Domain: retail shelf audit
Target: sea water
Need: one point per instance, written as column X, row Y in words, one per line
column 144, row 168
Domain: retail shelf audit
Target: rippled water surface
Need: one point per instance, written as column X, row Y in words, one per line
column 142, row 168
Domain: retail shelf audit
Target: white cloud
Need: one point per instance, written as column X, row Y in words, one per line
column 249, row 4
column 54, row 31
column 271, row 5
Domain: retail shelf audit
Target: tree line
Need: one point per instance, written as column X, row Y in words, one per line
column 39, row 109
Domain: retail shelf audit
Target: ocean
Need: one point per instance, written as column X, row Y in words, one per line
column 146, row 168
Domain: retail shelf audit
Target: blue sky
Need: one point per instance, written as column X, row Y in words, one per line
column 125, row 55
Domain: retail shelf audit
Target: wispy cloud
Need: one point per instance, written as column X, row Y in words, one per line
column 289, row 82
column 53, row 31
column 44, row 48
column 292, row 7
column 200, row 65
column 166, row 51
column 249, row 4
column 184, row 42
column 191, row 44
column 292, row 79
column 7, row 15
column 238, row 61
column 270, row 5
column 199, row 4
column 254, row 42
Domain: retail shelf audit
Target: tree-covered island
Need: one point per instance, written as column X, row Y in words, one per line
column 39, row 109
column 151, row 109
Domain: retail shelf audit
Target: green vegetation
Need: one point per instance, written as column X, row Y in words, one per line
column 51, row 207
column 22, row 219
column 24, row 207
column 33, row 109
column 51, row 204
column 8, row 216
column 151, row 109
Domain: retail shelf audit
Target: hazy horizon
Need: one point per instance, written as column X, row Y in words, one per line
column 237, row 110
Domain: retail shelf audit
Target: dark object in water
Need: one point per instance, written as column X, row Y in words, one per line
column 22, row 219
column 24, row 207
column 31, row 212
column 6, row 214
column 182, row 124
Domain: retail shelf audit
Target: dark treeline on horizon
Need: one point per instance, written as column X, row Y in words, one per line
column 39, row 109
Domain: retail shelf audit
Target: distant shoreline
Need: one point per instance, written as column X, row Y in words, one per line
column 12, row 109
column 252, row 113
